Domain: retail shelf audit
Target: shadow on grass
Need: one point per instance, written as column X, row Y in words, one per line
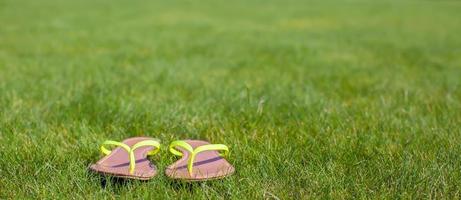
column 113, row 183
column 118, row 184
column 198, row 186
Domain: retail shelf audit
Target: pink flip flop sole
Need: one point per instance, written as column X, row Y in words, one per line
column 207, row 165
column 117, row 163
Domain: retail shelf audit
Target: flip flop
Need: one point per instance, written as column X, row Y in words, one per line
column 129, row 159
column 200, row 161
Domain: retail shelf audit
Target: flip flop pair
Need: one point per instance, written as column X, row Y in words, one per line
column 199, row 161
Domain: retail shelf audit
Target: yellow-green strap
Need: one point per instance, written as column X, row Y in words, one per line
column 152, row 143
column 115, row 143
column 182, row 144
column 194, row 152
column 130, row 151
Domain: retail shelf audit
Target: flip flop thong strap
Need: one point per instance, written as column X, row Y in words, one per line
column 179, row 143
column 194, row 152
column 130, row 151
column 105, row 151
column 152, row 143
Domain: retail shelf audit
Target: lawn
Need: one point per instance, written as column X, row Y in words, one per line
column 316, row 99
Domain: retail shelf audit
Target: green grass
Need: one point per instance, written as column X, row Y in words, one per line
column 316, row 99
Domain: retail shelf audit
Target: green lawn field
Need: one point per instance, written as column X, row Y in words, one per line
column 342, row 99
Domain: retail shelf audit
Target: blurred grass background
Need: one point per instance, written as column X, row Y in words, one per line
column 316, row 99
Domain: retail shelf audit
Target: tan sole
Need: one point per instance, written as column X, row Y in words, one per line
column 117, row 163
column 208, row 165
